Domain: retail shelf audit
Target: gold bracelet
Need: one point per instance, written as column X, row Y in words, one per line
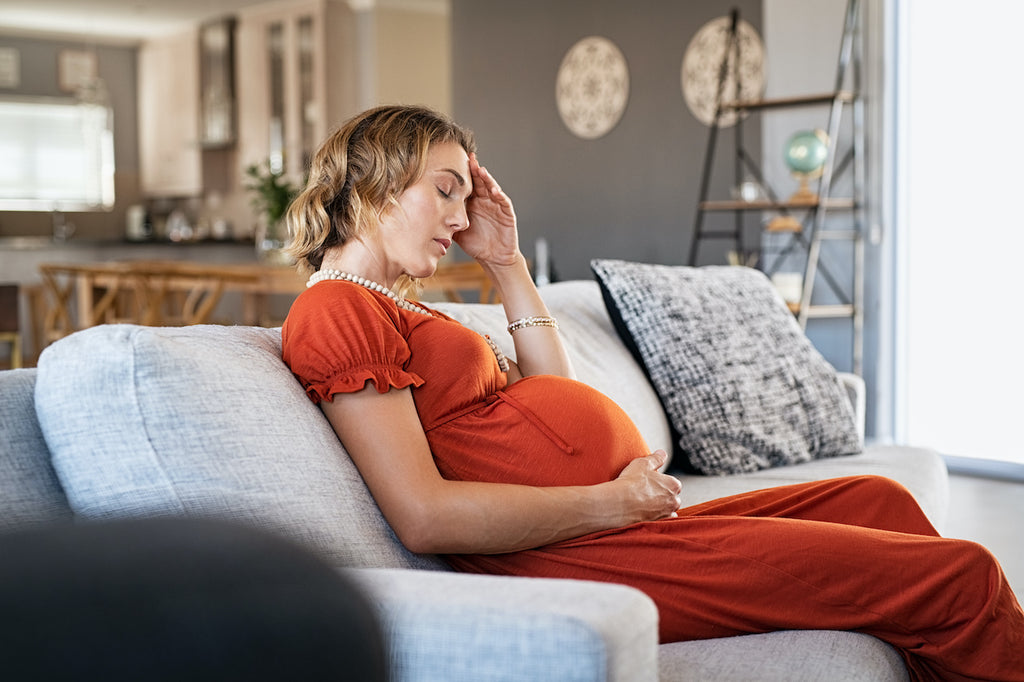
column 536, row 321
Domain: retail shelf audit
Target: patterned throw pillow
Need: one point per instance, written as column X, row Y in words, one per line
column 741, row 384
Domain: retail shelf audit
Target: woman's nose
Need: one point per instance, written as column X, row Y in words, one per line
column 460, row 219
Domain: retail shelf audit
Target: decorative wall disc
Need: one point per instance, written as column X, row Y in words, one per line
column 702, row 65
column 592, row 87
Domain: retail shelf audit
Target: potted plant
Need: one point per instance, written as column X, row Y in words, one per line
column 272, row 192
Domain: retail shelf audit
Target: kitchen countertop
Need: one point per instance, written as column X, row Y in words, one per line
column 35, row 243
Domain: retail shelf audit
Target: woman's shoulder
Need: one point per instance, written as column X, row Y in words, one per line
column 337, row 335
column 341, row 300
column 339, row 311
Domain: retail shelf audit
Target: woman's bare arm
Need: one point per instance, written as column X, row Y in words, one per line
column 383, row 436
column 539, row 350
column 493, row 240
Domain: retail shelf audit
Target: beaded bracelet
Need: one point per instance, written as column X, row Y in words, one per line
column 536, row 321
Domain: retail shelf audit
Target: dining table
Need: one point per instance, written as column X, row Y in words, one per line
column 176, row 293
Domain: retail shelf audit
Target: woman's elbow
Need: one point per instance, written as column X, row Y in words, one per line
column 421, row 537
column 435, row 520
column 422, row 526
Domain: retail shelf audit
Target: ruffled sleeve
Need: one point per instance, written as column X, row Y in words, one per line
column 339, row 336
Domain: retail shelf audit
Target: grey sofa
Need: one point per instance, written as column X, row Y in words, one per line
column 124, row 421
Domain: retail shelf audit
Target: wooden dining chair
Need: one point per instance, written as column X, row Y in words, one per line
column 10, row 331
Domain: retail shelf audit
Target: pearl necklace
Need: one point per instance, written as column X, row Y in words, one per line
column 400, row 301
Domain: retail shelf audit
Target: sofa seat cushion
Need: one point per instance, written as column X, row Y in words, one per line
column 204, row 421
column 921, row 470
column 30, row 493
column 742, row 385
column 785, row 656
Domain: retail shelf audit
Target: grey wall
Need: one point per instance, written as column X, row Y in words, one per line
column 630, row 194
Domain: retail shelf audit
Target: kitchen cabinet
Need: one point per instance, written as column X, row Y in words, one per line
column 297, row 80
column 168, row 95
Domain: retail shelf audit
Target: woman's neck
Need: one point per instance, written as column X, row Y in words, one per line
column 359, row 258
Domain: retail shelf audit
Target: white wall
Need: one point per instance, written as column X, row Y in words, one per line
column 801, row 53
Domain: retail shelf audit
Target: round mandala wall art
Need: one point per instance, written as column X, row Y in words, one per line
column 592, row 87
column 702, row 68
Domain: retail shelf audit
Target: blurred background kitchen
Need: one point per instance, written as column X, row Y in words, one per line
column 161, row 132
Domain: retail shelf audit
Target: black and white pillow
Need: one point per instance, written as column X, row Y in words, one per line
column 741, row 384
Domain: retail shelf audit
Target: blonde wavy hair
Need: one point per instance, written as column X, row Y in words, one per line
column 360, row 170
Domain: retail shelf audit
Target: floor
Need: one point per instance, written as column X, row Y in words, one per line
column 991, row 512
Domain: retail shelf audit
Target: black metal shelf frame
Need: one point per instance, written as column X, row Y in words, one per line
column 813, row 228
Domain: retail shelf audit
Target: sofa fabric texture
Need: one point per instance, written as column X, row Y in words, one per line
column 30, row 493
column 596, row 634
column 741, row 384
column 205, row 421
column 784, row 655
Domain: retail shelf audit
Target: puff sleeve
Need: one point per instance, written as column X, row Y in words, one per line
column 338, row 336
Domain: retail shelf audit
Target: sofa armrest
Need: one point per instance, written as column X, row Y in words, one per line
column 457, row 626
column 856, row 391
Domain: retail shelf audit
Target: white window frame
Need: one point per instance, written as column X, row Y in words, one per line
column 58, row 155
column 958, row 366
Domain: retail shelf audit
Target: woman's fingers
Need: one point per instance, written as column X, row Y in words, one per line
column 483, row 182
column 658, row 458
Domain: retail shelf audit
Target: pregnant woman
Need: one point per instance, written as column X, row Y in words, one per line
column 515, row 468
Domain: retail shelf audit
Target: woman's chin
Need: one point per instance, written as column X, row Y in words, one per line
column 422, row 273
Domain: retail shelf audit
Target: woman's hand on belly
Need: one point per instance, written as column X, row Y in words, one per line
column 430, row 514
column 648, row 494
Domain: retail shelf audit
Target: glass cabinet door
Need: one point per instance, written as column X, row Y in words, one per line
column 275, row 73
column 307, row 101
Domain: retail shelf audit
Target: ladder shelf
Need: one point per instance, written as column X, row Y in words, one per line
column 808, row 222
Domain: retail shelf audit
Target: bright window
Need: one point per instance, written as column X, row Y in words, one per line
column 960, row 184
column 58, row 155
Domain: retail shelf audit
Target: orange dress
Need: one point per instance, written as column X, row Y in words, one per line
column 854, row 553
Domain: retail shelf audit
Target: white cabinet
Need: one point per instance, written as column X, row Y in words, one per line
column 297, row 79
column 168, row 99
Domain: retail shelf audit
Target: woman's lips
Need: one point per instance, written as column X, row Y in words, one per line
column 445, row 244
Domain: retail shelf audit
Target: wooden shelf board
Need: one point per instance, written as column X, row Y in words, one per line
column 838, row 310
column 834, row 203
column 782, row 102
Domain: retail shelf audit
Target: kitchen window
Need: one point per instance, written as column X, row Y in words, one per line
column 58, row 155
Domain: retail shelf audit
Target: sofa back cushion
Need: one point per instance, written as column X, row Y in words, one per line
column 599, row 356
column 29, row 491
column 205, row 421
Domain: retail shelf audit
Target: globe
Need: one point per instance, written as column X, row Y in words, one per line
column 806, row 151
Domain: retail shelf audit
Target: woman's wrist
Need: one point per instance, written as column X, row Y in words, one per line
column 516, row 288
column 512, row 268
column 532, row 321
column 618, row 496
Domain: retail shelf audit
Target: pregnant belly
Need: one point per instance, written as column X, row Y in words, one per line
column 542, row 430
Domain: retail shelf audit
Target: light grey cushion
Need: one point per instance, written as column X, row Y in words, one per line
column 29, row 491
column 204, row 421
column 598, row 355
column 921, row 470
column 742, row 385
column 457, row 627
column 786, row 656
